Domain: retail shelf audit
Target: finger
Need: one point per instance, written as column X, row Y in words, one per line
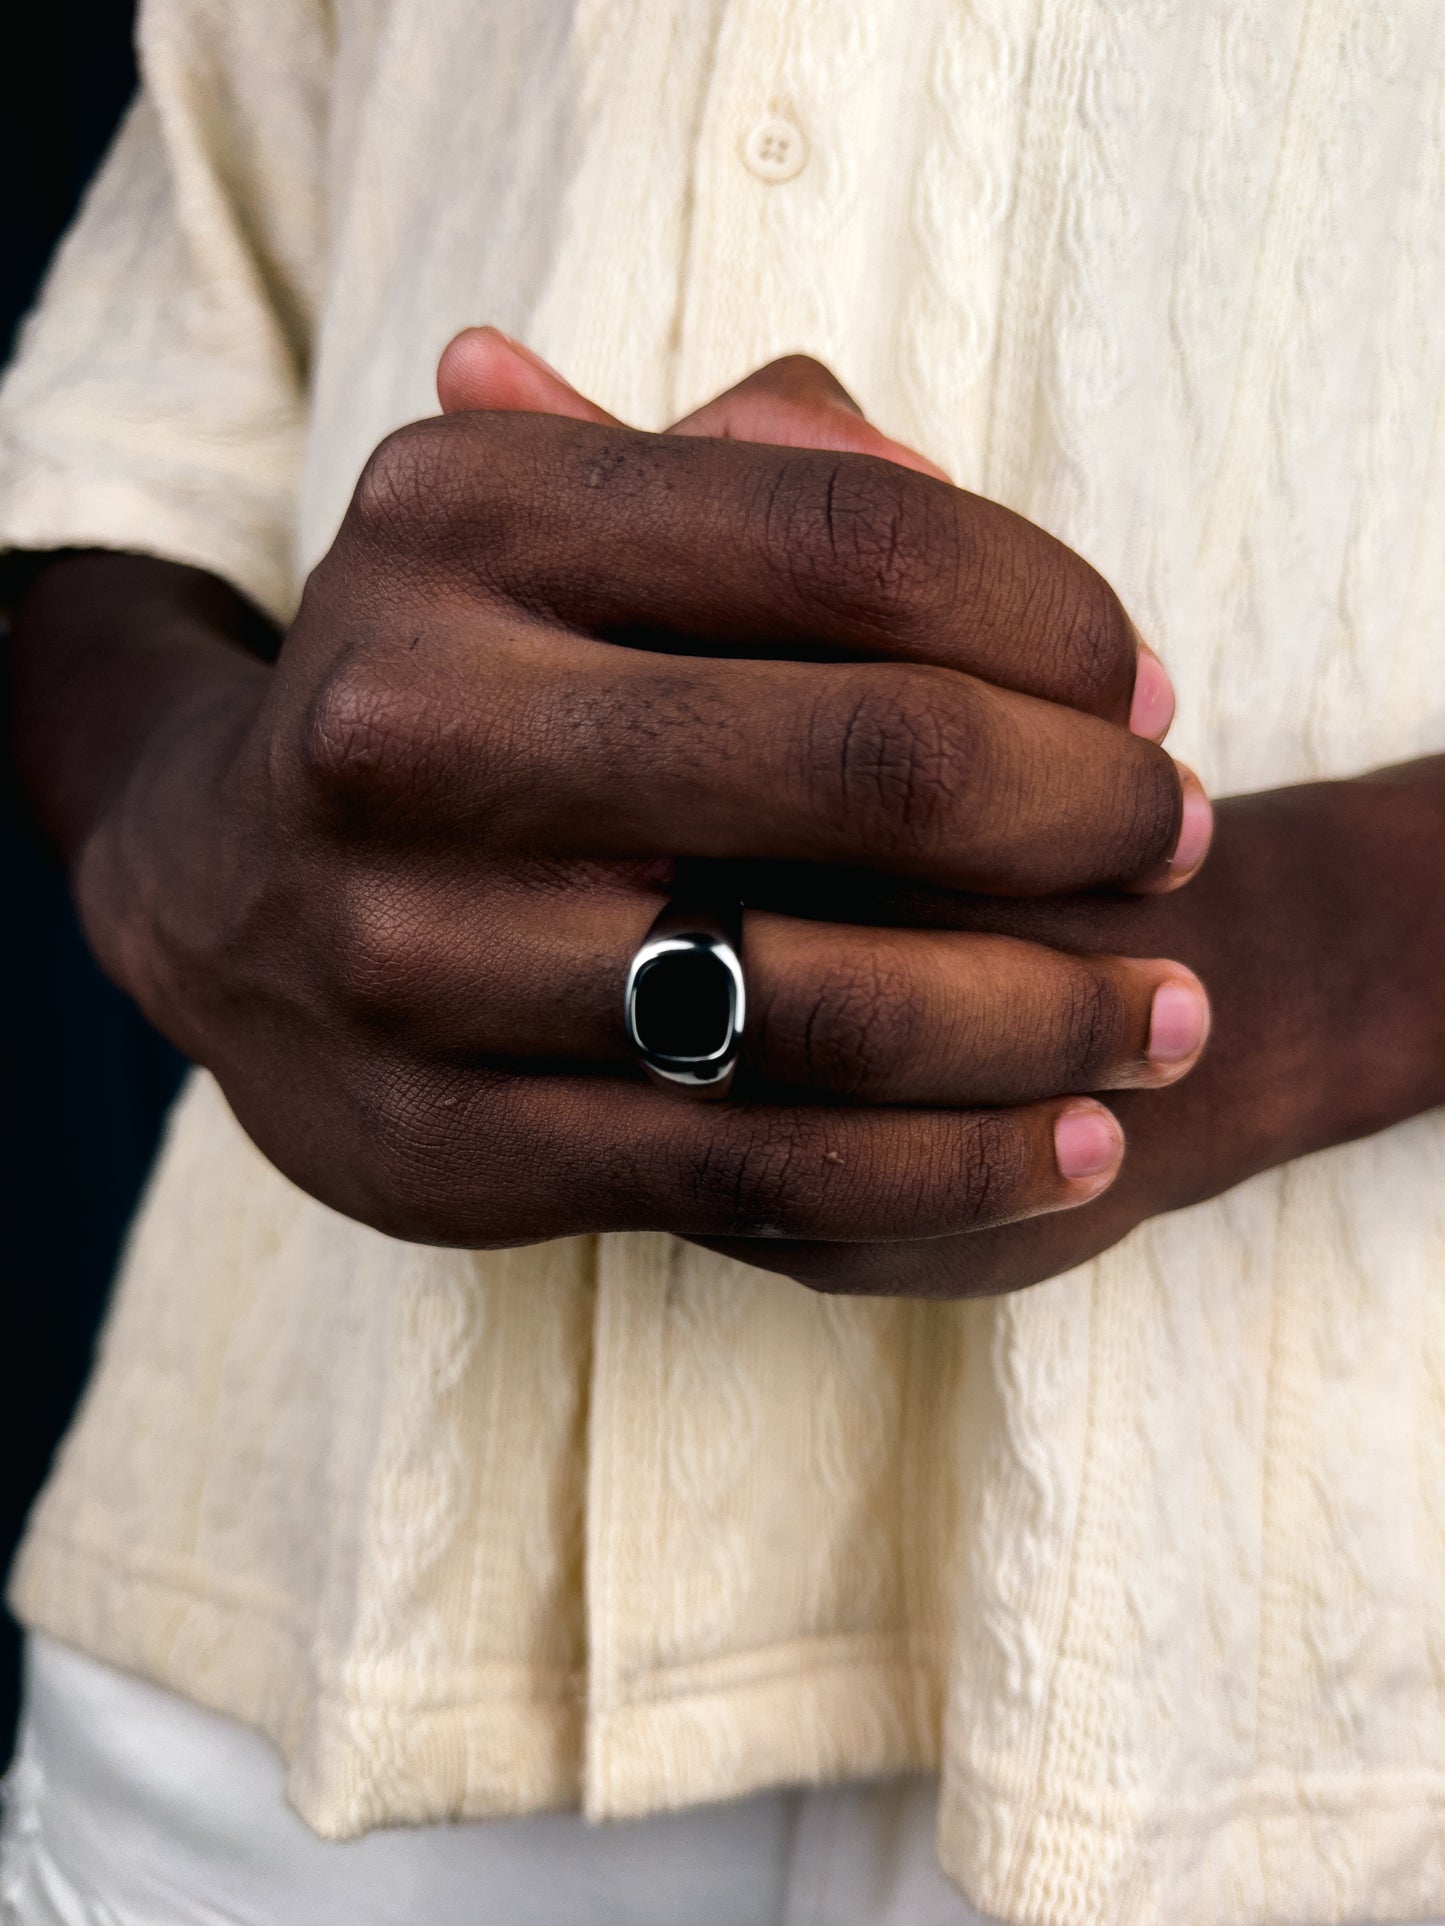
column 1135, row 925
column 736, row 548
column 798, row 403
column 870, row 1016
column 894, row 1017
column 590, row 750
column 583, row 1154
column 482, row 368
column 984, row 1263
column 795, row 402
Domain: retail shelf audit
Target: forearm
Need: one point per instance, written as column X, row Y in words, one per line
column 132, row 682
column 106, row 649
column 1319, row 928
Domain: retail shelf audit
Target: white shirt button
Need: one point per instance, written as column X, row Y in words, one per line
column 775, row 150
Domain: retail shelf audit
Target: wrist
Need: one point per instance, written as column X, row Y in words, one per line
column 1385, row 839
column 104, row 649
column 130, row 697
column 1317, row 928
column 160, row 877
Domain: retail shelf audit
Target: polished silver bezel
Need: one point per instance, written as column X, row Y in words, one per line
column 680, row 928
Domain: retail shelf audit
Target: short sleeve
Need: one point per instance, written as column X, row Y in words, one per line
column 157, row 400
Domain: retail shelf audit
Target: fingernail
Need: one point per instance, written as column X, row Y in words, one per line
column 1152, row 710
column 1087, row 1141
column 1178, row 1022
column 1195, row 830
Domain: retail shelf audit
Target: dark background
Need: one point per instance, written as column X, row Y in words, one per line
column 89, row 1081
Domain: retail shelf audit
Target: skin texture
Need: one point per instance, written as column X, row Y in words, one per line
column 386, row 891
column 1318, row 927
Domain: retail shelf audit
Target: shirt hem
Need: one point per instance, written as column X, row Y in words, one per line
column 514, row 1743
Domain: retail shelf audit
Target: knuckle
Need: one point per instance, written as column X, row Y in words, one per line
column 991, row 1169
column 766, row 1178
column 453, row 503
column 872, row 543
column 897, row 753
column 852, row 1031
column 361, row 729
column 1091, row 637
column 1150, row 812
column 400, row 481
column 1092, row 1020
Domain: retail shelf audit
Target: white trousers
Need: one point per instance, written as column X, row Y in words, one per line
column 128, row 1806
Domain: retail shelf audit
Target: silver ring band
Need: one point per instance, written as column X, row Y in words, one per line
column 686, row 998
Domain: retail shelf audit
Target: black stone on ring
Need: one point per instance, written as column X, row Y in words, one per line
column 686, row 1001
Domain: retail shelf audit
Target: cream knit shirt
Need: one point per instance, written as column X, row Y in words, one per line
column 1148, row 1561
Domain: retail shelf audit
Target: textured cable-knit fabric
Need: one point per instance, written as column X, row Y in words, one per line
column 1148, row 1561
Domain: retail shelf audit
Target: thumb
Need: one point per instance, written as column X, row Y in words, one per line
column 797, row 403
column 484, row 368
column 791, row 403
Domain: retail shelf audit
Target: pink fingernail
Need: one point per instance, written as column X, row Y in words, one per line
column 1152, row 710
column 1087, row 1141
column 1178, row 1022
column 1196, row 829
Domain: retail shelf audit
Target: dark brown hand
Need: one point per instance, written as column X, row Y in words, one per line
column 386, row 892
column 1318, row 925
